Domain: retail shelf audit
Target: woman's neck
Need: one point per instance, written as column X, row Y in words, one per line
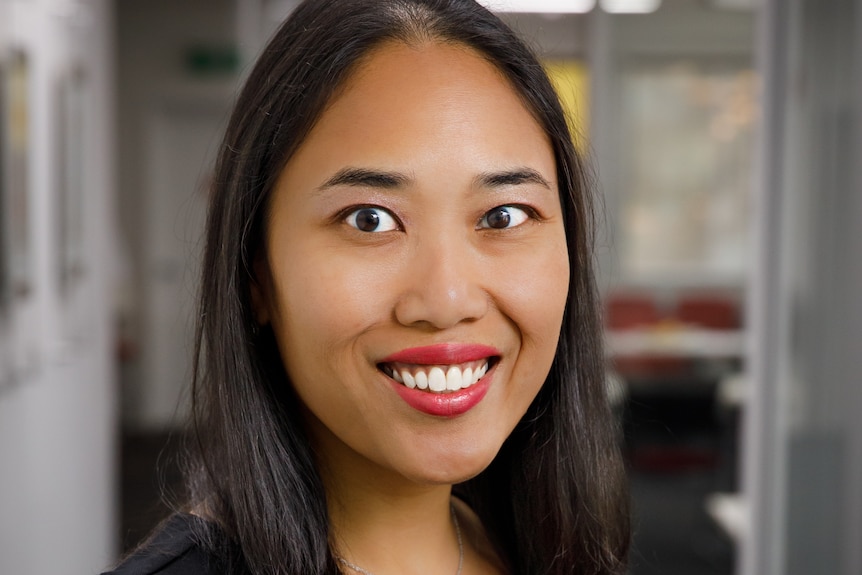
column 387, row 524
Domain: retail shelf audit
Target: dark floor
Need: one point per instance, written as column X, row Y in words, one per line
column 672, row 533
column 680, row 448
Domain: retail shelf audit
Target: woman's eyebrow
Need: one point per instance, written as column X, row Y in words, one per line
column 366, row 178
column 511, row 178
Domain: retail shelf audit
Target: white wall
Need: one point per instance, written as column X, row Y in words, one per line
column 57, row 407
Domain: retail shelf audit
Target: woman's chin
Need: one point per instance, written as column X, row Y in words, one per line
column 449, row 470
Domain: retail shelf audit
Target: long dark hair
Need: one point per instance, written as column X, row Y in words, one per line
column 554, row 500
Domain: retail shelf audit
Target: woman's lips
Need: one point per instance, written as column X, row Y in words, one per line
column 443, row 354
column 450, row 404
column 442, row 380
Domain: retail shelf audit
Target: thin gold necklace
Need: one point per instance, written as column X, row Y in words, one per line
column 359, row 569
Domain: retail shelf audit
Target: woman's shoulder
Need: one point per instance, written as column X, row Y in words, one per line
column 174, row 549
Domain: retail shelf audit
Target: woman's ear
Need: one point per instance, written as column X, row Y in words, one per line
column 260, row 292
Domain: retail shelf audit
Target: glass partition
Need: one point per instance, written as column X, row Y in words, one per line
column 804, row 437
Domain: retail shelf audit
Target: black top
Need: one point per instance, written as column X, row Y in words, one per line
column 172, row 550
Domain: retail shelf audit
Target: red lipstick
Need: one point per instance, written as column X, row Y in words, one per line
column 450, row 403
column 445, row 404
column 443, row 354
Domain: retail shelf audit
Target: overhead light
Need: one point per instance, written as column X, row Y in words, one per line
column 540, row 6
column 630, row 6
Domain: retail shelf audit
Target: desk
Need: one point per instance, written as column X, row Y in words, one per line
column 688, row 342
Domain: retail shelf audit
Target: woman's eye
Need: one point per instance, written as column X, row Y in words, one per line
column 503, row 217
column 372, row 220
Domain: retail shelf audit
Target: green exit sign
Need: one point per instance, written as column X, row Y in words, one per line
column 212, row 60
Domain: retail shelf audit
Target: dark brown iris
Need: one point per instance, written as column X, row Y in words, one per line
column 499, row 218
column 367, row 220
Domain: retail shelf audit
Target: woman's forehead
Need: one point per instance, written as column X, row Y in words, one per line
column 405, row 104
column 419, row 65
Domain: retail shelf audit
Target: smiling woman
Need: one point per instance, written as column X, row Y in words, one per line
column 399, row 272
column 399, row 365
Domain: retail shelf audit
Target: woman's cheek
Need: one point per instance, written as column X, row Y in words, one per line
column 337, row 295
column 539, row 287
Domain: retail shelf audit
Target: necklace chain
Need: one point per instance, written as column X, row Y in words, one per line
column 359, row 569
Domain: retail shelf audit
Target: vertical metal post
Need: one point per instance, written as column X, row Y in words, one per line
column 764, row 449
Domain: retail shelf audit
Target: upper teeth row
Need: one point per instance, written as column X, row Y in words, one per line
column 435, row 379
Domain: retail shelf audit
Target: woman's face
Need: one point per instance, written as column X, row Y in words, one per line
column 416, row 268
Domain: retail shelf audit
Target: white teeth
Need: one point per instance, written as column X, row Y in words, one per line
column 439, row 378
column 421, row 380
column 453, row 379
column 436, row 379
column 467, row 378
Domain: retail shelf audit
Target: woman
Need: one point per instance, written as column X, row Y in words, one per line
column 398, row 298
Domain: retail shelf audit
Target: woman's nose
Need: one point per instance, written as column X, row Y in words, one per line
column 443, row 285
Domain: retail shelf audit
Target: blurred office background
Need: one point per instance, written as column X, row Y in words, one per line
column 727, row 141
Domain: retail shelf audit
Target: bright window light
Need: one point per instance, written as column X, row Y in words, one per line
column 540, row 6
column 630, row 6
